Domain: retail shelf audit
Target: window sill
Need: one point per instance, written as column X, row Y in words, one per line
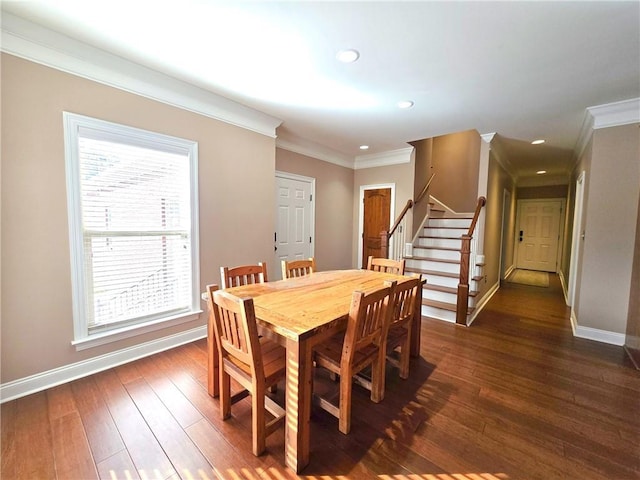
column 116, row 335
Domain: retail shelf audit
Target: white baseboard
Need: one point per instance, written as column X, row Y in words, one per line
column 564, row 287
column 57, row 376
column 603, row 336
column 483, row 301
column 508, row 271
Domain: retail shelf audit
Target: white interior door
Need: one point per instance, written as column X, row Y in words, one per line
column 538, row 234
column 294, row 219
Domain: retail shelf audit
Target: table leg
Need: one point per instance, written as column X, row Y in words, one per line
column 298, row 404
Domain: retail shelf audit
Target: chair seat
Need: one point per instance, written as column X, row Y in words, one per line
column 328, row 354
column 396, row 336
column 273, row 361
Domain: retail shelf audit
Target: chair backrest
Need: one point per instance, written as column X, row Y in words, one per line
column 243, row 275
column 403, row 301
column 386, row 265
column 369, row 318
column 235, row 329
column 298, row 268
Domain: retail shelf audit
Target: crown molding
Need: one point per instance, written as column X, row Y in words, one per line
column 383, row 159
column 607, row 115
column 615, row 114
column 586, row 131
column 488, row 137
column 35, row 43
column 313, row 150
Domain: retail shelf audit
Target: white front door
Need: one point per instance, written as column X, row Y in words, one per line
column 538, row 234
column 294, row 219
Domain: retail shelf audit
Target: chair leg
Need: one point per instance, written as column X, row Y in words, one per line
column 225, row 394
column 344, row 419
column 404, row 356
column 378, row 378
column 258, row 420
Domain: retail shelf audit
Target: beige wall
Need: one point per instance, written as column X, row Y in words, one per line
column 37, row 326
column 456, row 164
column 423, row 171
column 632, row 341
column 583, row 165
column 611, row 207
column 333, row 216
column 400, row 175
column 495, row 240
column 550, row 191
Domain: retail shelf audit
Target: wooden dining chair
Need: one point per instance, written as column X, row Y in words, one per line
column 358, row 348
column 404, row 304
column 298, row 268
column 385, row 265
column 243, row 275
column 255, row 363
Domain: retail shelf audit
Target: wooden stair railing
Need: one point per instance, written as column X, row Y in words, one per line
column 462, row 303
column 385, row 235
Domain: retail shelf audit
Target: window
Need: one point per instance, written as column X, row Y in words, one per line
column 133, row 229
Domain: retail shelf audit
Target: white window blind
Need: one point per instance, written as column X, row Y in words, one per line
column 131, row 198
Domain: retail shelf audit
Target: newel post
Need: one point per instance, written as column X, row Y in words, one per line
column 384, row 243
column 463, row 287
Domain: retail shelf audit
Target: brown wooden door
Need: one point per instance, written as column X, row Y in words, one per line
column 377, row 206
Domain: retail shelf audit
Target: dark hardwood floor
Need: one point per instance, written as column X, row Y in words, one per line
column 515, row 396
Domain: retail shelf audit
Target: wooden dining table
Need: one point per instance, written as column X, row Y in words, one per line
column 300, row 313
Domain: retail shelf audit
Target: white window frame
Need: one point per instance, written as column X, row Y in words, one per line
column 83, row 338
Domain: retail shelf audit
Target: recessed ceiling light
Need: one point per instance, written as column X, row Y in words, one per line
column 348, row 56
column 364, row 147
column 541, row 172
column 405, row 104
column 537, row 142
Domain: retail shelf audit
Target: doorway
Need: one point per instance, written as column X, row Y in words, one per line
column 506, row 264
column 295, row 207
column 376, row 214
column 538, row 234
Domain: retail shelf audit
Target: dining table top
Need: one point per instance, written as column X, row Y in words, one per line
column 297, row 307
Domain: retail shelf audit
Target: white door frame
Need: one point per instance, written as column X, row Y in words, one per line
column 392, row 210
column 563, row 202
column 575, row 238
column 506, row 210
column 312, row 219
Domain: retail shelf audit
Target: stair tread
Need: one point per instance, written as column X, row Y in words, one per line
column 443, row 227
column 431, row 272
column 441, row 238
column 448, row 249
column 438, row 273
column 443, row 305
column 440, row 288
column 429, row 259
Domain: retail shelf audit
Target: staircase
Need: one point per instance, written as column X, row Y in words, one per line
column 436, row 256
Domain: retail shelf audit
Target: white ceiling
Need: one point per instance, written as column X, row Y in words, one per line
column 525, row 70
